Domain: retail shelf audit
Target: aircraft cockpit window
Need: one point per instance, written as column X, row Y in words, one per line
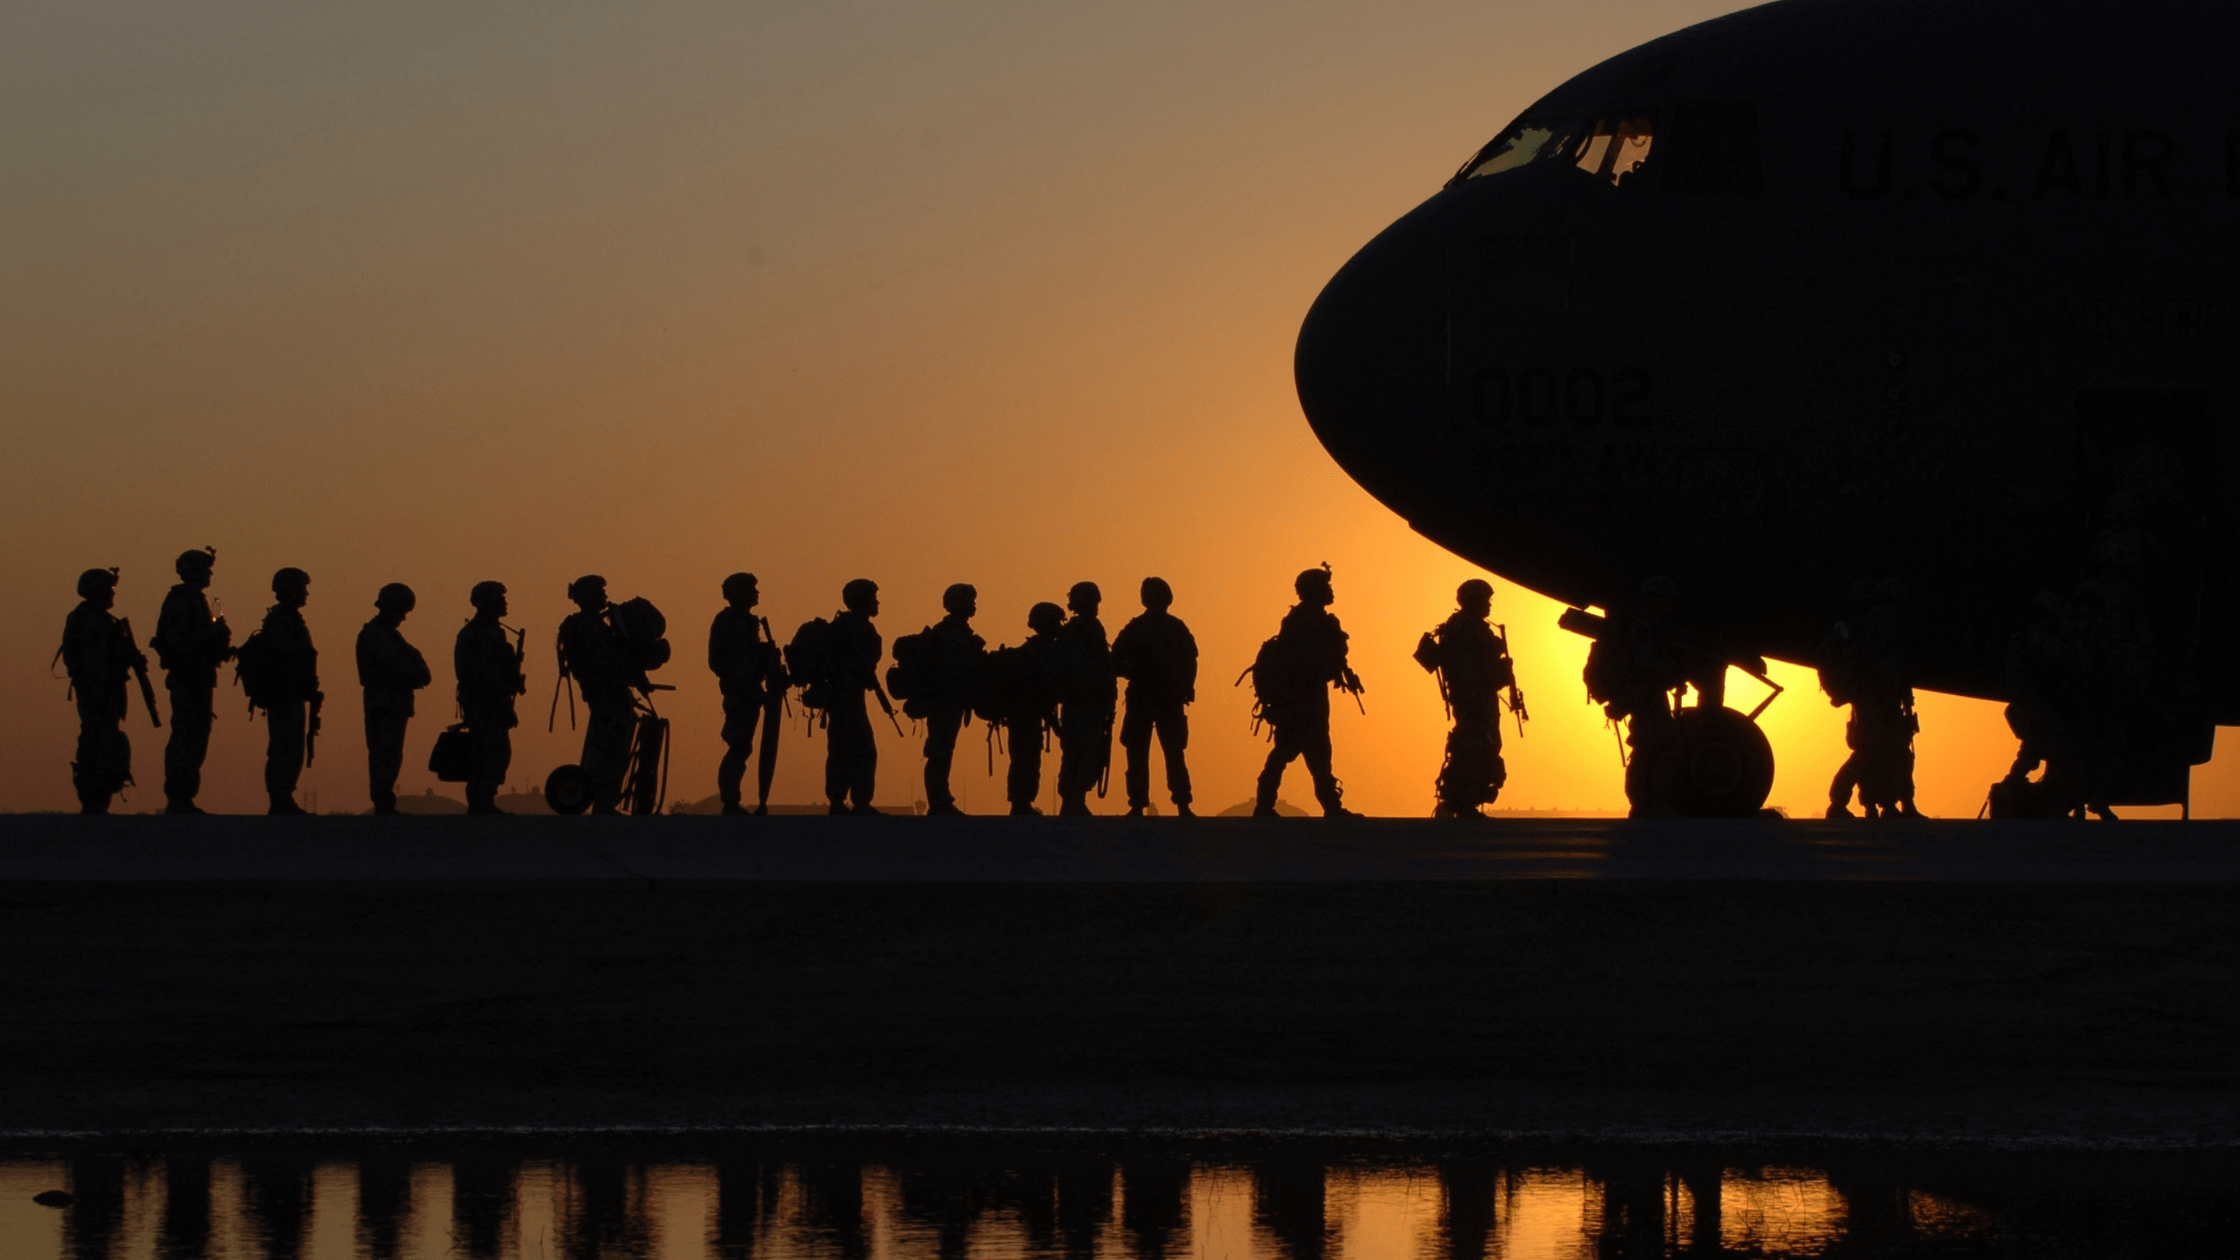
column 1615, row 148
column 1611, row 147
column 1519, row 147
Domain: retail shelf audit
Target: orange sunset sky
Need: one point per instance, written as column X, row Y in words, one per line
column 993, row 292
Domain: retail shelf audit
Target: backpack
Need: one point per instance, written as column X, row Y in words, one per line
column 641, row 626
column 1605, row 673
column 1430, row 653
column 1006, row 685
column 1280, row 679
column 810, row 658
column 254, row 667
column 915, row 676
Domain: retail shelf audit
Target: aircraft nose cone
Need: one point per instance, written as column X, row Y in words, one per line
column 1373, row 356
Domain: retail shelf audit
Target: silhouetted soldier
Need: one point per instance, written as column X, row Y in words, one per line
column 1088, row 695
column 1157, row 655
column 957, row 651
column 1474, row 668
column 1632, row 670
column 1032, row 705
column 288, row 691
column 488, row 669
column 1863, row 664
column 752, row 675
column 595, row 654
column 100, row 656
column 190, row 644
column 1310, row 654
column 390, row 670
column 851, row 755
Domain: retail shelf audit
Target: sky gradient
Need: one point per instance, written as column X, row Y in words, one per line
column 987, row 292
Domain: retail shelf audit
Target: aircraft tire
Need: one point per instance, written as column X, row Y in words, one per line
column 1726, row 765
column 568, row 790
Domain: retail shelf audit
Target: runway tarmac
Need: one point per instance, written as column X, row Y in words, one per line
column 2048, row 984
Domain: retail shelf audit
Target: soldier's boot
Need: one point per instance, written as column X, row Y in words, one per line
column 1182, row 810
column 1073, row 805
column 1332, row 799
column 1264, row 801
column 284, row 803
column 91, row 799
column 181, row 806
column 1020, row 809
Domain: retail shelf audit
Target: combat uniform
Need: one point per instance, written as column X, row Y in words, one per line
column 390, row 670
column 594, row 654
column 851, row 754
column 1475, row 663
column 488, row 669
column 1314, row 651
column 1088, row 694
column 752, row 679
column 190, row 644
column 1157, row 655
column 291, row 702
column 1033, row 709
column 99, row 655
column 956, row 651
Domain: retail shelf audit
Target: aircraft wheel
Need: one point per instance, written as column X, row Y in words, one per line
column 568, row 790
column 1726, row 765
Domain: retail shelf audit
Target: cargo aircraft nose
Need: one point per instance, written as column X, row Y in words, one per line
column 1374, row 357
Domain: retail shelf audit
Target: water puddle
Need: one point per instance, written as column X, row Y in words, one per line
column 696, row 1199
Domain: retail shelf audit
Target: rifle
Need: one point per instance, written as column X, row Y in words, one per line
column 1516, row 693
column 1350, row 683
column 311, row 728
column 140, row 671
column 885, row 703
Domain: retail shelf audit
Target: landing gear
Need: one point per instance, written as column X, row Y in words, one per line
column 1726, row 764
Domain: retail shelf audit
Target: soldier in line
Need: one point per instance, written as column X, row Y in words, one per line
column 1632, row 670
column 1309, row 658
column 1088, row 696
column 1157, row 655
column 1473, row 666
column 851, row 755
column 1863, row 664
column 288, row 690
column 488, row 670
column 594, row 653
column 99, row 655
column 751, row 674
column 190, row 644
column 390, row 670
column 1030, row 677
column 957, row 651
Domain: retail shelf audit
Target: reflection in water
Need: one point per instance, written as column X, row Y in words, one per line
column 928, row 1201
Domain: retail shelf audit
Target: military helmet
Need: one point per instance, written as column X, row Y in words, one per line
column 396, row 595
column 290, row 579
column 858, row 594
column 201, row 560
column 1045, row 616
column 737, row 585
column 960, row 598
column 1475, row 588
column 485, row 593
column 589, row 586
column 1083, row 595
column 1316, row 580
column 1156, row 593
column 95, row 580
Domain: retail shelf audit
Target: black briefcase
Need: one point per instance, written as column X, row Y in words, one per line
column 452, row 759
